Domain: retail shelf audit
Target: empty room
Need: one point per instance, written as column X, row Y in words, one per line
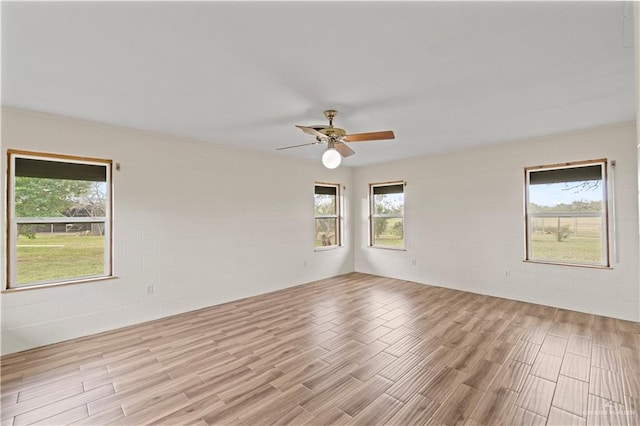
column 320, row 213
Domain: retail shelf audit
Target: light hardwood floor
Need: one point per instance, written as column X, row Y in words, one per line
column 354, row 349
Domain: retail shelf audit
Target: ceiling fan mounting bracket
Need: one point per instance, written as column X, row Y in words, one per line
column 330, row 114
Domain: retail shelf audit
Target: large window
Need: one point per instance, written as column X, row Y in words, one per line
column 387, row 215
column 566, row 213
column 327, row 215
column 59, row 210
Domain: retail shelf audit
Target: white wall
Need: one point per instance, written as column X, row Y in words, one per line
column 192, row 219
column 202, row 223
column 464, row 223
column 636, row 42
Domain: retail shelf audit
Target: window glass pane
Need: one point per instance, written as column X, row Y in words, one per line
column 387, row 221
column 45, row 197
column 388, row 232
column 585, row 196
column 59, row 251
column 30, row 167
column 389, row 189
column 567, row 239
column 328, row 190
column 67, row 200
column 570, row 174
column 326, row 232
column 389, row 204
column 566, row 210
column 325, row 204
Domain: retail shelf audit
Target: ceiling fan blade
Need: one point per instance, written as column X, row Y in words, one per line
column 343, row 149
column 311, row 131
column 297, row 146
column 373, row 136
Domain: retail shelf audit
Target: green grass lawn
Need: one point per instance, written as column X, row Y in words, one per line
column 583, row 243
column 52, row 257
column 575, row 248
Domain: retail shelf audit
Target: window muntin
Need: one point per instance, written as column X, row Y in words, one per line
column 386, row 225
column 59, row 219
column 567, row 214
column 327, row 215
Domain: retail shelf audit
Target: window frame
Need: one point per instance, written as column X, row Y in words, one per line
column 604, row 214
column 12, row 221
column 337, row 216
column 372, row 214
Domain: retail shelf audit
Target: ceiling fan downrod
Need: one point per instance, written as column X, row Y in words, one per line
column 330, row 114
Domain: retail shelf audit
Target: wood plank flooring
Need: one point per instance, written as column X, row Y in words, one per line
column 355, row 349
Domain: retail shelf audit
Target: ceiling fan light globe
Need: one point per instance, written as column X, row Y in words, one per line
column 331, row 158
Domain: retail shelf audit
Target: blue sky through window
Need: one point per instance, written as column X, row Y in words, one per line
column 552, row 194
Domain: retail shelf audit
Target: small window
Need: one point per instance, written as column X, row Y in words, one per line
column 59, row 210
column 566, row 213
column 387, row 215
column 327, row 215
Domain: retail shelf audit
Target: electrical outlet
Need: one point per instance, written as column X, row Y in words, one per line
column 413, row 262
column 507, row 273
column 150, row 289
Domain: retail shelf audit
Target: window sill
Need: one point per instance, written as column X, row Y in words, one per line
column 57, row 284
column 575, row 265
column 388, row 248
column 327, row 248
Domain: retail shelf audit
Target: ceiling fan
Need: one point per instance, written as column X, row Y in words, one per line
column 336, row 140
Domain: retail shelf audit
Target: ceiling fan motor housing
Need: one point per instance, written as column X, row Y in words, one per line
column 333, row 132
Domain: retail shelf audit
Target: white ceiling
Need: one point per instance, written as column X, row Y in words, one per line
column 443, row 76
